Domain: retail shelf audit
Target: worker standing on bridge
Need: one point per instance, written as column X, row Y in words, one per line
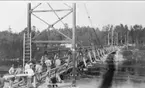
column 43, row 59
column 38, row 70
column 58, row 64
column 86, row 57
column 18, row 71
column 27, row 65
column 11, row 72
column 30, row 73
column 48, row 64
column 57, row 61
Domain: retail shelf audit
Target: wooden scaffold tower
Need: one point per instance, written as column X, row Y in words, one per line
column 28, row 40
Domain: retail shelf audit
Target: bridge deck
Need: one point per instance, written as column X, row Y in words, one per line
column 64, row 68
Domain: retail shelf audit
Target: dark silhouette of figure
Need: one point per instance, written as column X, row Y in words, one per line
column 108, row 76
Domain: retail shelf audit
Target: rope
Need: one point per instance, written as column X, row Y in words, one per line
column 88, row 15
column 92, row 25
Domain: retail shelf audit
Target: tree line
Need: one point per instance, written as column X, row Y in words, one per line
column 11, row 44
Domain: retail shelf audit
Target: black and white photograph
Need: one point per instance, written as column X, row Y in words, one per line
column 72, row 44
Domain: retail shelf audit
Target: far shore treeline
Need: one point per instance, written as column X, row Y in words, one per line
column 11, row 44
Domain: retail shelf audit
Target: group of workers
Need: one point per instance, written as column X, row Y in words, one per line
column 45, row 64
column 37, row 68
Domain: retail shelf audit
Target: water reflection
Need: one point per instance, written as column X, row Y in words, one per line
column 130, row 73
column 108, row 76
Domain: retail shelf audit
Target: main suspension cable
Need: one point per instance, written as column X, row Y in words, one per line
column 92, row 24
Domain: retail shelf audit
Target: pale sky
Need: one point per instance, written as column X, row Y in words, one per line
column 14, row 14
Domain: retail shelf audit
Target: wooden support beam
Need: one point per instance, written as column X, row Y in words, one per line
column 56, row 10
column 50, row 41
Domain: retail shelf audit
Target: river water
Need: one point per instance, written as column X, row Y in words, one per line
column 129, row 73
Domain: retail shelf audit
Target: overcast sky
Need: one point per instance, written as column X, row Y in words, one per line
column 14, row 14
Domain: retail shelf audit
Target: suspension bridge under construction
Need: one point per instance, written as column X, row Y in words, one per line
column 93, row 54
